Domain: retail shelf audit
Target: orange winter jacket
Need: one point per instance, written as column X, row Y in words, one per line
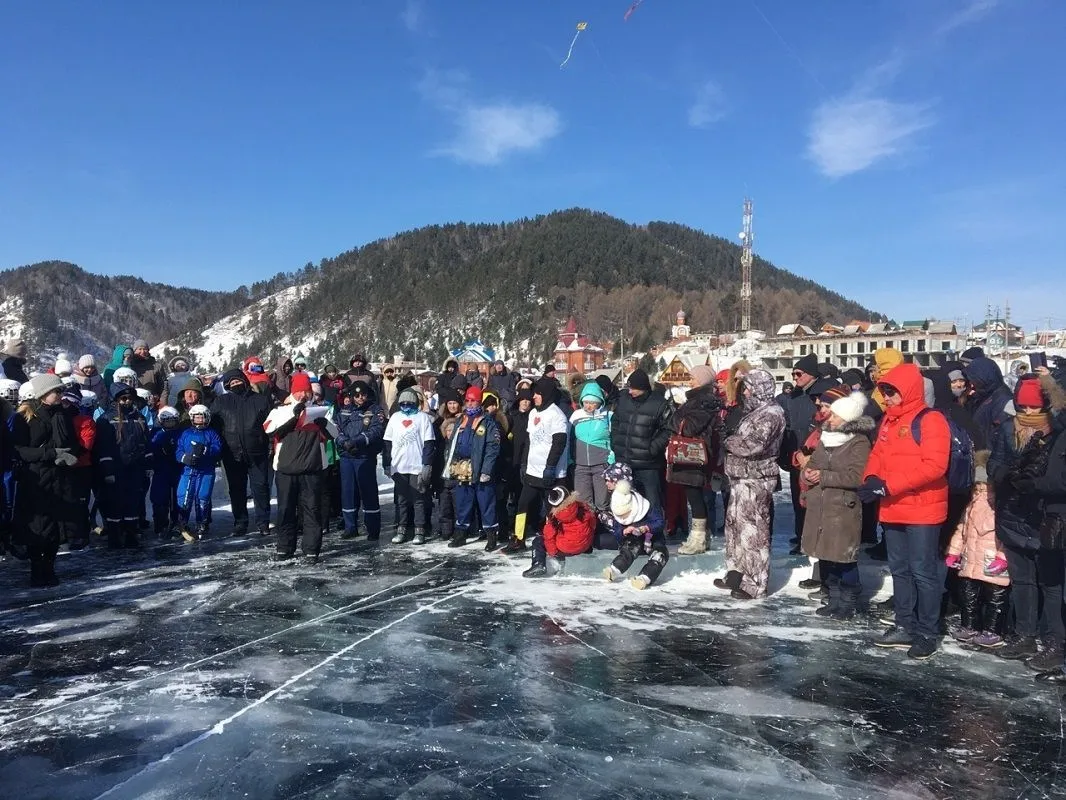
column 916, row 476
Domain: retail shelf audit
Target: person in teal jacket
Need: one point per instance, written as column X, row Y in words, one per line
column 119, row 358
column 590, row 428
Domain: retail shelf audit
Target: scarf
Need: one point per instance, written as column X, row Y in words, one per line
column 1027, row 425
column 836, row 438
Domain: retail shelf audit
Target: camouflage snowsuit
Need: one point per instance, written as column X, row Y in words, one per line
column 751, row 466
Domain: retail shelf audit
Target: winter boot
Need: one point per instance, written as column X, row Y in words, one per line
column 400, row 537
column 1021, row 648
column 458, row 538
column 730, row 581
column 350, row 533
column 114, row 535
column 1049, row 658
column 240, row 528
column 611, row 573
column 833, row 585
column 539, row 568
column 48, row 572
column 697, row 539
column 847, row 603
column 640, row 582
column 420, row 536
column 514, row 546
column 490, row 541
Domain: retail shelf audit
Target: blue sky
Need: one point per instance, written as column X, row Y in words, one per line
column 908, row 153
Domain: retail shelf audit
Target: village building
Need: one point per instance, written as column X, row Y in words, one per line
column 575, row 352
column 474, row 353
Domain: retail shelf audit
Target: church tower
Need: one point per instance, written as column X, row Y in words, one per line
column 680, row 330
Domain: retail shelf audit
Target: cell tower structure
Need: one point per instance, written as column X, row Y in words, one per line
column 747, row 240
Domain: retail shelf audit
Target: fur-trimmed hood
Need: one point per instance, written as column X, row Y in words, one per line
column 864, row 425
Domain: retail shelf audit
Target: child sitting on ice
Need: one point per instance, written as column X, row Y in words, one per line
column 568, row 531
column 983, row 580
column 638, row 526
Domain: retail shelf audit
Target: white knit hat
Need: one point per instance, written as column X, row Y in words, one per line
column 63, row 367
column 86, row 360
column 627, row 506
column 850, row 408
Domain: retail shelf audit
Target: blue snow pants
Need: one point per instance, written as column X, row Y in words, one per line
column 194, row 493
column 359, row 489
column 482, row 494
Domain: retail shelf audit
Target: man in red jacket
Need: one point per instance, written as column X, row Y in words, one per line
column 907, row 472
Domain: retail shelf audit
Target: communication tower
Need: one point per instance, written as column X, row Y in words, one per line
column 747, row 239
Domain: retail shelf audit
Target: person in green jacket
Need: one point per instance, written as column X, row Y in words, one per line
column 119, row 358
column 590, row 428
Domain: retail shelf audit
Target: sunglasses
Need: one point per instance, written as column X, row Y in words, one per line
column 887, row 391
column 796, row 373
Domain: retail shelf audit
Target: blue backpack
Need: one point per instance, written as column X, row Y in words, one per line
column 961, row 465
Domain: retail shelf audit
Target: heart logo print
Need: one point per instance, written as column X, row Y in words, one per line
column 536, row 420
column 407, row 423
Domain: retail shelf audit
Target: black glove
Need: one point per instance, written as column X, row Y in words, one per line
column 321, row 422
column 190, row 459
column 873, row 488
column 298, row 409
column 199, row 449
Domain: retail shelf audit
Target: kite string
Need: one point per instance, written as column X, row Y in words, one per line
column 788, row 47
column 571, row 50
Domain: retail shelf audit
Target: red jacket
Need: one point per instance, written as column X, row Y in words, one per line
column 569, row 528
column 85, row 430
column 916, row 476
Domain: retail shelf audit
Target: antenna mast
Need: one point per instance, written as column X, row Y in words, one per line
column 747, row 239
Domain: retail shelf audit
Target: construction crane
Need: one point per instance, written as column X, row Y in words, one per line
column 747, row 239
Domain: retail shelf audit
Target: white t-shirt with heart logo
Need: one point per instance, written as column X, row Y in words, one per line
column 541, row 427
column 408, row 434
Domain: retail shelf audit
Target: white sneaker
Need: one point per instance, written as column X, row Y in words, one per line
column 611, row 573
column 419, row 539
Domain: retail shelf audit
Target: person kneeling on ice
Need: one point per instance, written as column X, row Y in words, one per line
column 568, row 531
column 199, row 449
column 638, row 526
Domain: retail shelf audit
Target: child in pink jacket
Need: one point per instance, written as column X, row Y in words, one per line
column 984, row 583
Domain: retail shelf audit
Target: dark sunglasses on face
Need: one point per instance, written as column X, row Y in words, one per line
column 796, row 373
column 888, row 391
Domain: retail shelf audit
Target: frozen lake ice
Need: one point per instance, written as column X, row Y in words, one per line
column 207, row 671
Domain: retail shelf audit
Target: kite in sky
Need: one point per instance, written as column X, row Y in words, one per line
column 632, row 8
column 580, row 27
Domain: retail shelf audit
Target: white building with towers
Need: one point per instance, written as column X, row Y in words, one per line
column 680, row 330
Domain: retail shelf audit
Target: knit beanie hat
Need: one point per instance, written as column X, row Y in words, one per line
column 139, row 343
column 63, row 367
column 556, row 496
column 956, row 375
column 849, row 408
column 299, row 382
column 834, row 394
column 808, row 364
column 627, row 506
column 618, row 472
column 44, row 384
column 473, row 395
column 86, row 361
column 1028, row 393
column 409, row 396
column 639, row 380
column 702, row 375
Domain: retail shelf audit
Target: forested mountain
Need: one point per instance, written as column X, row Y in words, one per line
column 55, row 306
column 513, row 283
column 420, row 292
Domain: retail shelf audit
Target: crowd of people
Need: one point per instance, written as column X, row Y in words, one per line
column 961, row 471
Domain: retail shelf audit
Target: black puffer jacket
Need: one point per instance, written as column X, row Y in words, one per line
column 1018, row 516
column 1051, row 486
column 640, row 430
column 698, row 414
column 239, row 416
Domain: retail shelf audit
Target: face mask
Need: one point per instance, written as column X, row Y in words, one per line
column 958, row 391
column 472, row 412
column 408, row 409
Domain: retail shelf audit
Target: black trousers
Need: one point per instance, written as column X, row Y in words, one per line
column 411, row 504
column 298, row 497
column 697, row 501
column 1036, row 591
column 798, row 511
column 528, row 520
column 239, row 473
column 632, row 547
column 983, row 606
column 649, row 482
